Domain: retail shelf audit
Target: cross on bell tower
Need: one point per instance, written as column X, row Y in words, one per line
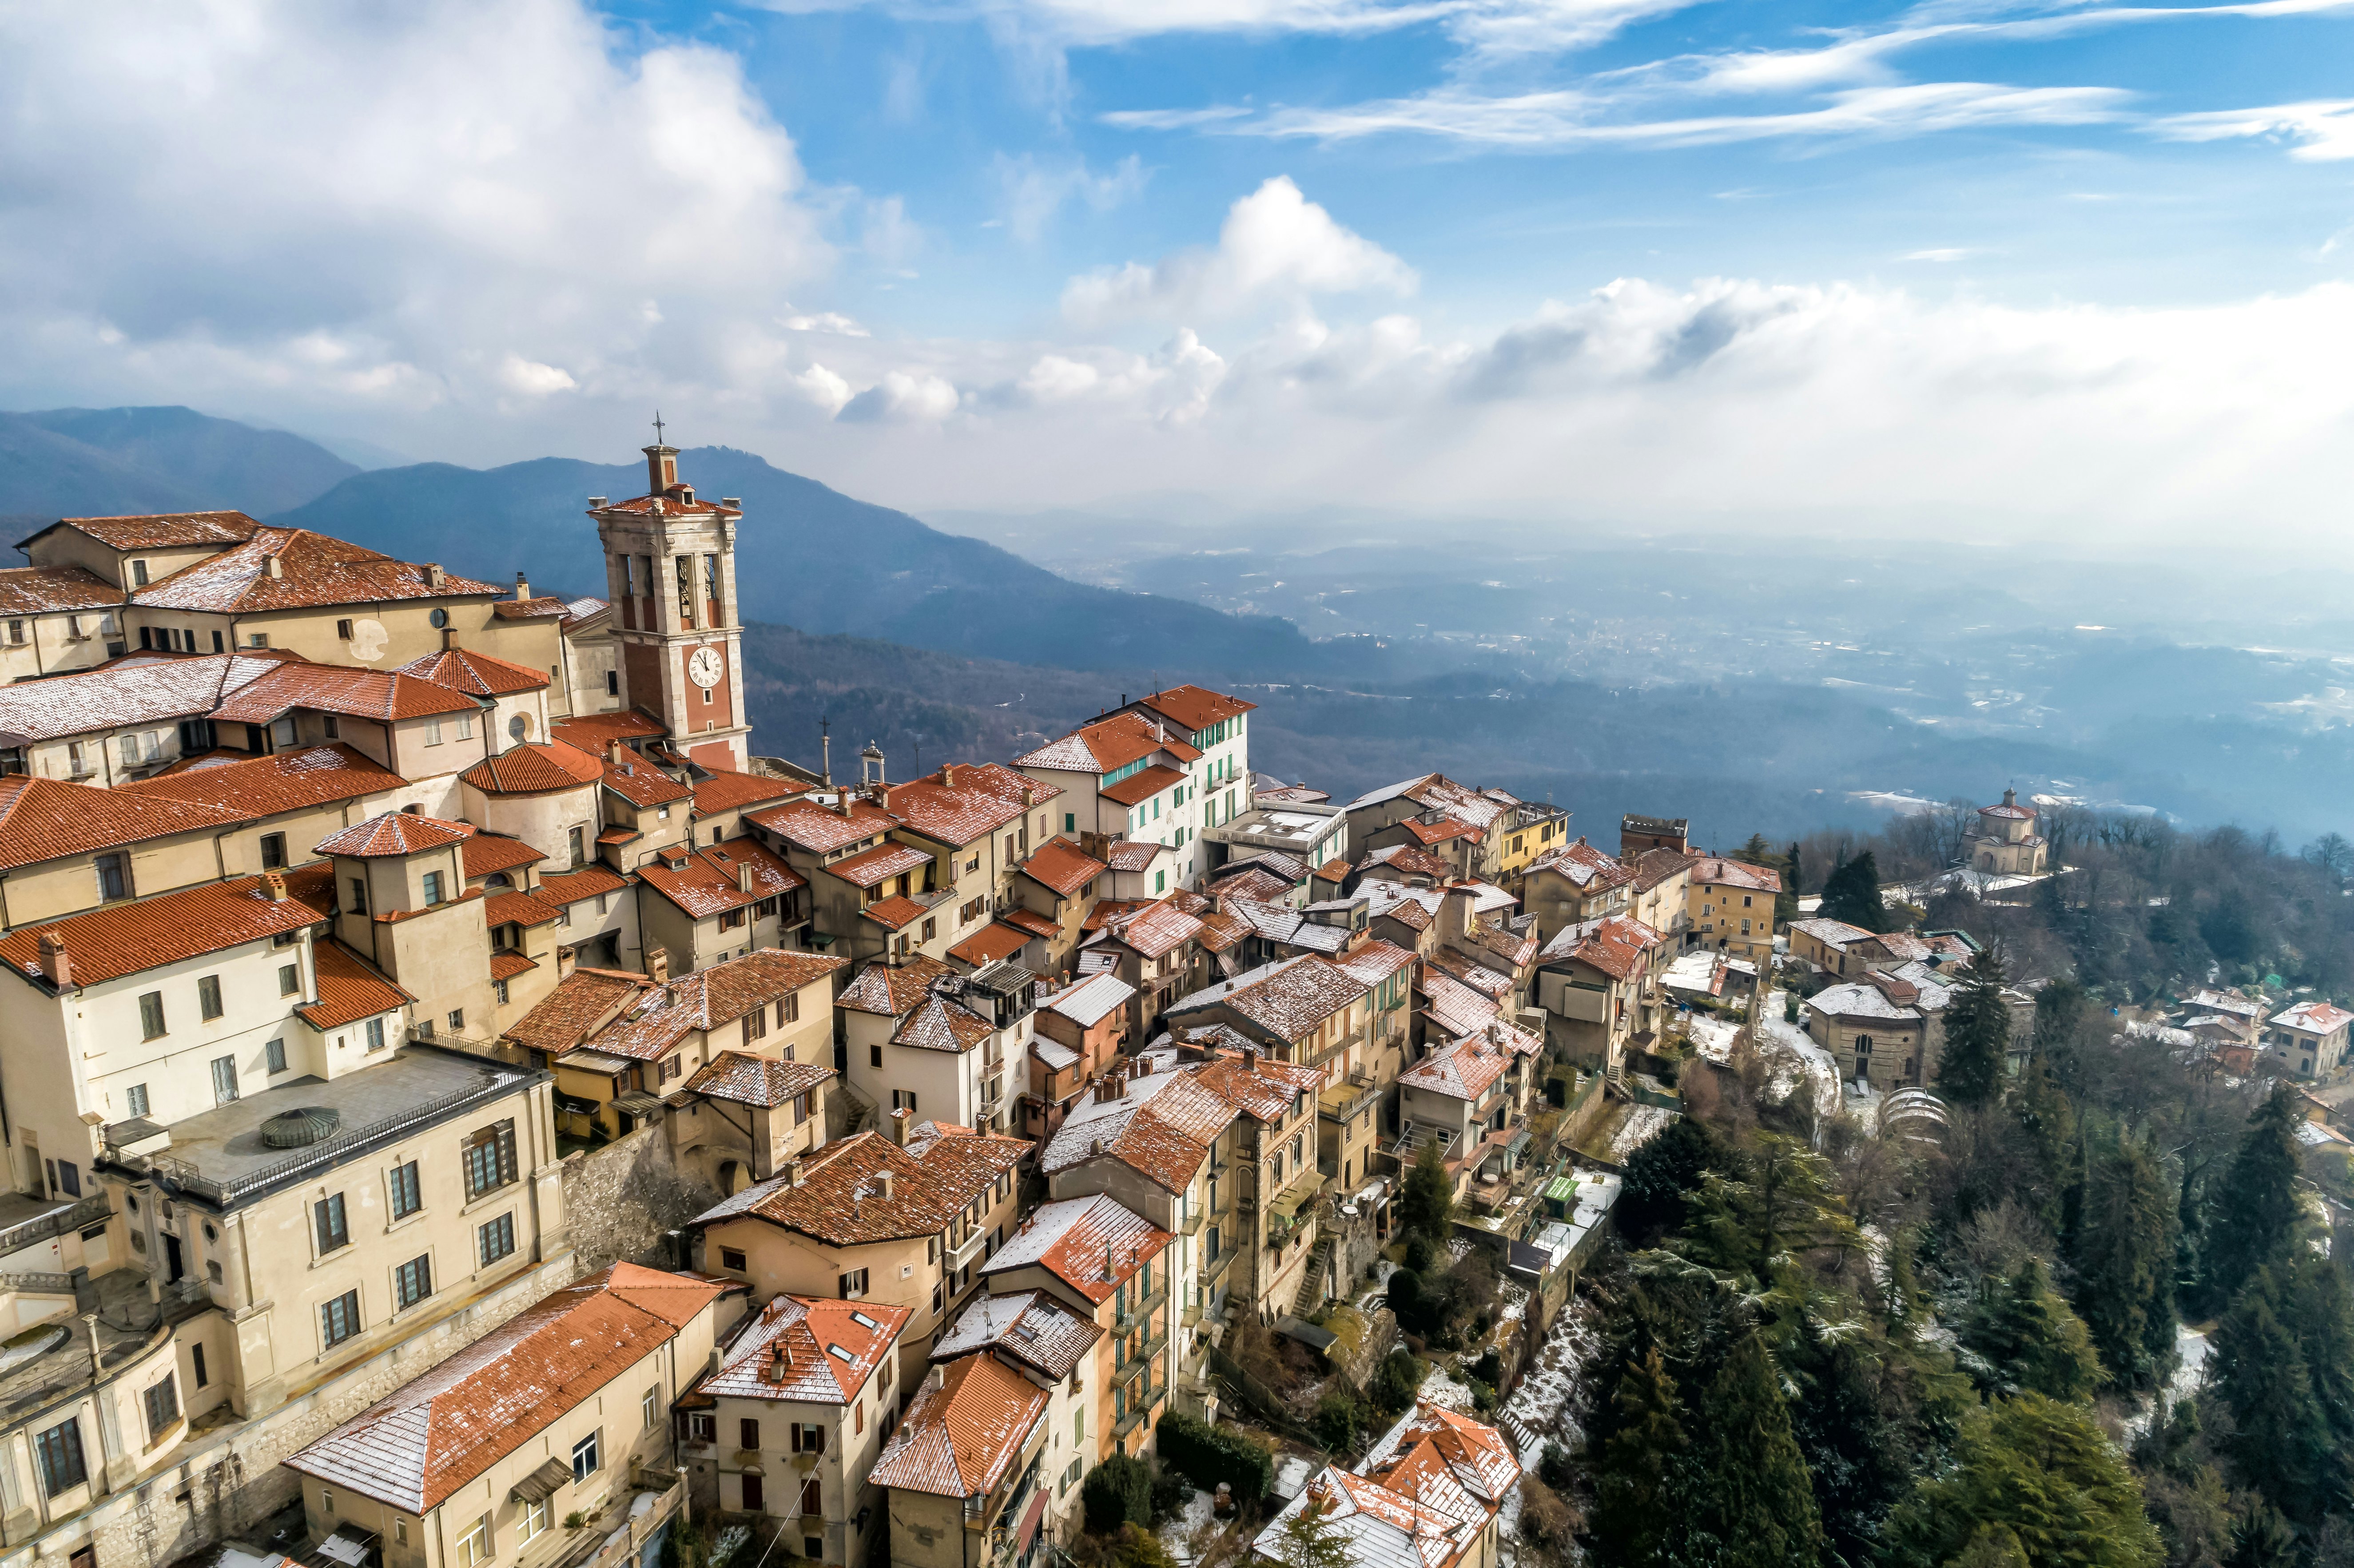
column 670, row 569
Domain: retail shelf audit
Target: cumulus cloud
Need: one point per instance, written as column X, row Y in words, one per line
column 1276, row 245
column 900, row 397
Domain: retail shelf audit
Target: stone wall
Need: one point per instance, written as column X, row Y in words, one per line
column 622, row 1198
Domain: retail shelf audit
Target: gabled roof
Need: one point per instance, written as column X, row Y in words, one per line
column 651, row 1024
column 811, row 1349
column 1444, row 1457
column 1462, row 1071
column 582, row 1002
column 486, row 853
column 1087, row 1002
column 588, row 882
column 1830, row 933
column 962, row 802
column 891, row 991
column 1263, row 1088
column 1062, row 867
column 1437, row 792
column 1256, row 883
column 729, row 791
column 392, row 833
column 534, row 768
column 1135, row 854
column 641, row 782
column 595, row 732
column 1107, row 745
column 1614, row 945
column 1156, row 929
column 161, row 530
column 970, row 1420
column 1438, row 832
column 894, row 914
column 477, row 674
column 381, row 695
column 350, row 989
column 126, row 938
column 126, row 693
column 1375, row 961
column 1194, row 707
column 1716, row 870
column 1028, row 1326
column 809, row 823
column 449, row 1425
column 264, row 786
column 1144, row 785
column 1297, row 997
column 993, row 942
column 1094, row 1244
column 1161, row 1125
column 40, row 590
column 44, row 818
column 313, row 570
column 1583, row 866
column 840, row 1199
column 710, row 881
column 872, row 868
column 938, row 1024
column 744, row 1080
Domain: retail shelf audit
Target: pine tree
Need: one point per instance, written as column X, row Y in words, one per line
column 2059, row 1008
column 1662, row 1177
column 1427, row 1205
column 1639, row 1492
column 1977, row 1035
column 2280, row 1436
column 1785, row 906
column 2261, row 1538
column 2033, row 1339
column 2045, row 1116
column 1785, row 1201
column 1308, row 1539
column 2255, row 1208
column 1851, row 894
column 2123, row 1257
column 2040, row 1471
column 1760, row 1504
column 1855, row 1456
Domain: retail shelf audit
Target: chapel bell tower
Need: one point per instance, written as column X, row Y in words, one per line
column 669, row 571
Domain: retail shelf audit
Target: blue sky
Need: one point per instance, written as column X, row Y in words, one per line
column 2017, row 269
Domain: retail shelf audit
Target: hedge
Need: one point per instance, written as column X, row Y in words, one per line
column 1117, row 1491
column 1208, row 1455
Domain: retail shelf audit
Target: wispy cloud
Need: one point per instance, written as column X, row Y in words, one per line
column 2321, row 131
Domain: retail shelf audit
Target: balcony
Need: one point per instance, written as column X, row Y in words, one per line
column 1137, row 1416
column 1142, row 1308
column 965, row 1251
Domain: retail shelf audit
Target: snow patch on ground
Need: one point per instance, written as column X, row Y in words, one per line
column 1542, row 1408
column 1712, row 1037
column 1790, row 1055
column 2190, row 1345
column 1441, row 1388
column 1192, row 1536
column 1511, row 1301
column 1641, row 1122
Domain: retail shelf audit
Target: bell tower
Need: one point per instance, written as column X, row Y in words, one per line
column 670, row 571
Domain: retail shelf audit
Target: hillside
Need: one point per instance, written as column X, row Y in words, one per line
column 66, row 463
column 809, row 557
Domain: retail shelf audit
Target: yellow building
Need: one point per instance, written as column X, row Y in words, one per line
column 1729, row 907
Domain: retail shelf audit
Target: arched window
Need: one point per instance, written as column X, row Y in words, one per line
column 1862, row 1047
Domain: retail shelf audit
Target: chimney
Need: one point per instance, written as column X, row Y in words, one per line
column 596, row 502
column 617, row 752
column 1250, row 1058
column 433, row 573
column 55, row 964
column 523, row 587
column 883, row 1184
column 733, row 503
column 743, row 876
column 277, row 566
column 565, row 960
column 899, row 1121
column 793, row 1175
column 658, row 965
column 275, row 882
column 947, row 775
column 449, row 638
column 842, row 800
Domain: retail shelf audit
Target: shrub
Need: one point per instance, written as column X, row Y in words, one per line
column 1419, row 1253
column 1396, row 1380
column 1488, row 1368
column 1339, row 1420
column 1553, row 1466
column 1117, row 1491
column 1169, row 1490
column 1208, row 1455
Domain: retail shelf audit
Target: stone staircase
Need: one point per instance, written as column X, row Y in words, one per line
column 862, row 1113
column 1311, row 1284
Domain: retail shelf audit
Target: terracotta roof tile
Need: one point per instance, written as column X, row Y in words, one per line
column 809, row 1350
column 1428, row 833
column 1614, row 945
column 1461, row 1071
column 970, row 1420
column 379, row 695
column 1094, row 1244
column 711, row 880
column 1108, row 743
column 595, row 732
column 486, row 853
column 730, row 791
column 937, row 1023
column 350, row 989
column 126, row 693
column 534, row 768
column 505, row 965
column 1256, row 883
column 42, row 819
column 1143, row 786
column 811, row 825
column 1157, row 929
column 582, row 1002
column 842, row 1201
column 1717, row 872
column 1086, row 1003
column 1261, row 1088
column 1297, row 997
column 1195, row 707
column 892, row 992
column 993, row 942
column 392, row 833
column 661, row 1016
column 1161, row 1126
column 541, row 609
column 1030, row 922
column 265, row 786
column 125, row 938
column 449, row 1423
column 38, row 590
column 961, row 803
column 313, row 570
column 763, row 1081
column 641, row 784
column 1028, row 1326
column 477, row 674
column 872, row 868
column 572, row 887
column 894, row 914
column 510, row 908
column 162, row 530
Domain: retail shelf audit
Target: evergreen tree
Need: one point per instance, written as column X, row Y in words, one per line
column 2124, row 1257
column 1662, row 1177
column 1786, row 906
column 1977, row 1035
column 1427, row 1205
column 2255, row 1208
column 2280, row 1437
column 1639, row 1499
column 2261, row 1538
column 1785, row 1201
column 2042, row 1110
column 2033, row 1339
column 1760, row 1504
column 2059, row 1008
column 1854, row 1454
column 2041, row 1470
column 1852, row 893
column 1310, row 1539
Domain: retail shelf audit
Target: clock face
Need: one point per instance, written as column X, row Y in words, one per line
column 705, row 667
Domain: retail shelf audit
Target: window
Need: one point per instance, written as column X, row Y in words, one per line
column 273, row 851
column 931, row 927
column 137, row 574
column 808, row 1438
column 612, row 683
column 853, row 1285
column 813, row 1503
column 753, row 1501
column 16, row 631
column 475, row 1546
column 731, row 920
column 412, row 1282
column 651, row 1406
column 113, row 876
column 224, row 1079
column 432, row 887
column 1159, row 882
column 150, row 1015
column 532, row 1523
column 273, row 1056
column 57, row 1452
column 343, row 631
column 789, row 1009
column 904, row 1099
column 875, row 1055
column 134, row 1099
column 220, row 644
column 163, row 1402
column 466, row 727
column 328, row 1224
column 333, row 727
column 407, row 1194
column 497, row 1239
column 584, row 1458
column 579, row 845
column 800, row 1109
column 359, row 896
column 376, row 1033
column 256, row 640
column 731, row 1259
column 209, row 997
column 489, row 1157
column 70, row 1178
column 290, row 978
column 669, row 1067
column 197, row 1359
column 748, row 1433
column 432, row 732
